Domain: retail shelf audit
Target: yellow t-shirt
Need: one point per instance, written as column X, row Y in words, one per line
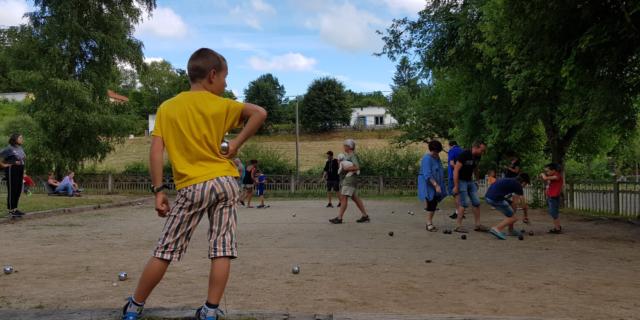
column 192, row 126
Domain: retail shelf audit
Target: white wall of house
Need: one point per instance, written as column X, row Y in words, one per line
column 152, row 122
column 13, row 96
column 371, row 117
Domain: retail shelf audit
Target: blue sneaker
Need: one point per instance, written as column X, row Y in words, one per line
column 131, row 315
column 497, row 234
column 201, row 313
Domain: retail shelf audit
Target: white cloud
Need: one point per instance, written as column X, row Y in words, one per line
column 152, row 59
column 348, row 28
column 164, row 23
column 286, row 62
column 12, row 13
column 409, row 6
column 252, row 12
column 261, row 6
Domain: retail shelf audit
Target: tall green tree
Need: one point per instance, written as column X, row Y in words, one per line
column 267, row 92
column 406, row 76
column 367, row 99
column 325, row 106
column 159, row 81
column 66, row 56
column 7, row 82
column 566, row 71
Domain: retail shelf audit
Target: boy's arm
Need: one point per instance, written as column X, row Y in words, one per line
column 548, row 178
column 255, row 116
column 156, row 163
column 456, row 176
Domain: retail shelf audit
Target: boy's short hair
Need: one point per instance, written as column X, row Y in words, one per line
column 202, row 62
column 553, row 166
column 523, row 177
column 435, row 145
column 453, row 143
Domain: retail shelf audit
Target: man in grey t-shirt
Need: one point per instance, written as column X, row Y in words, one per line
column 349, row 184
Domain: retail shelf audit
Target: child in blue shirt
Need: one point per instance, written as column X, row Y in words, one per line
column 262, row 179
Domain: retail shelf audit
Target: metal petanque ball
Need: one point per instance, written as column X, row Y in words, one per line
column 520, row 237
column 122, row 276
column 530, row 233
column 8, row 269
column 463, row 237
column 295, row 269
column 224, row 147
column 390, row 233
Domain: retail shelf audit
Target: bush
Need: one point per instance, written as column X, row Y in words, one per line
column 389, row 162
column 137, row 168
column 269, row 161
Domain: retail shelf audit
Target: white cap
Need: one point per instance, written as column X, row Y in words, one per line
column 350, row 143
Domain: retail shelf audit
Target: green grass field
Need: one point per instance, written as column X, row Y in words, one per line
column 41, row 202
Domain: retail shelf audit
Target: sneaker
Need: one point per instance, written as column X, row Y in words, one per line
column 454, row 215
column 336, row 220
column 329, row 205
column 461, row 229
column 363, row 219
column 497, row 234
column 131, row 315
column 260, row 206
column 201, row 314
column 241, row 202
column 16, row 214
column 338, row 205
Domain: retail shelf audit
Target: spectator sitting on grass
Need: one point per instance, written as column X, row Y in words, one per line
column 52, row 181
column 68, row 186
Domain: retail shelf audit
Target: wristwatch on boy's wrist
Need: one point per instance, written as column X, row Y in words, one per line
column 155, row 189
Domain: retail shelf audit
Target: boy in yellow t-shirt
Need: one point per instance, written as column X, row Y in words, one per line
column 191, row 127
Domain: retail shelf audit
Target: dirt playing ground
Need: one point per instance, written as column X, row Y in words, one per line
column 591, row 272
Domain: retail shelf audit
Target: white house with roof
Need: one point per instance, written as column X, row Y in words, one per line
column 371, row 117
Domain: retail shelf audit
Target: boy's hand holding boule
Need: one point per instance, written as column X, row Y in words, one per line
column 233, row 150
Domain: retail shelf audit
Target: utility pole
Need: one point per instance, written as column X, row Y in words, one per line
column 297, row 141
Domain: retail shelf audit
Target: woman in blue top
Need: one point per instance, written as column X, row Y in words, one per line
column 431, row 182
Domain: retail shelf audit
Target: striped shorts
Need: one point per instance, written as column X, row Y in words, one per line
column 217, row 199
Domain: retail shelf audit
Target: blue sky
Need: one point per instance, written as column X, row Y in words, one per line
column 296, row 40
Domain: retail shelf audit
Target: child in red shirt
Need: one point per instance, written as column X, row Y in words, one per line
column 554, row 181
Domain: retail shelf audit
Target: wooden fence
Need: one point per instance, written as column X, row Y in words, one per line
column 618, row 198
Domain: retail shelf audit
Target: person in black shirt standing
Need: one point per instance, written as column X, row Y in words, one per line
column 330, row 174
column 465, row 187
column 12, row 161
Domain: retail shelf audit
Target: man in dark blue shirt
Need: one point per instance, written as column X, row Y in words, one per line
column 454, row 151
column 498, row 197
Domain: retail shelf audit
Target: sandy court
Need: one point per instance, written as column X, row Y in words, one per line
column 591, row 272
